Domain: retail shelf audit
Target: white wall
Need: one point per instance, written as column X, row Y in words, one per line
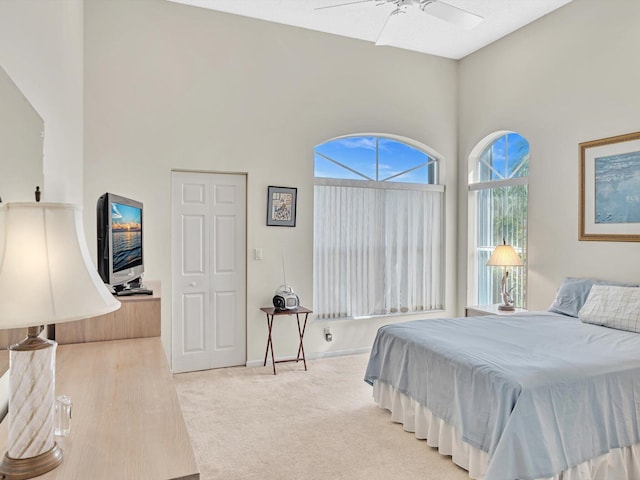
column 21, row 130
column 570, row 77
column 41, row 50
column 174, row 87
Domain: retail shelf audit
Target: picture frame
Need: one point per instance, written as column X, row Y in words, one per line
column 281, row 206
column 609, row 201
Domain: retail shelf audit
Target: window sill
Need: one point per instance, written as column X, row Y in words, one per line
column 384, row 315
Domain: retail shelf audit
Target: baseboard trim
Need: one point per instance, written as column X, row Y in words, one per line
column 312, row 356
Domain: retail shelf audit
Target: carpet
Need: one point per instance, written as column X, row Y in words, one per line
column 246, row 423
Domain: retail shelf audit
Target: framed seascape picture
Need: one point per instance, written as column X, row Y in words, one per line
column 610, row 189
column 281, row 206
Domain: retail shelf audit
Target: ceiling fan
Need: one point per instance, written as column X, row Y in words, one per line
column 436, row 8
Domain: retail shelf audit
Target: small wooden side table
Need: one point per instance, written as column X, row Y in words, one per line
column 480, row 310
column 273, row 312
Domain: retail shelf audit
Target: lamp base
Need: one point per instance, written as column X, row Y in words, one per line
column 32, row 449
column 508, row 308
column 23, row 468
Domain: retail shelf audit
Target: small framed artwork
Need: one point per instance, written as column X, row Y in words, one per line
column 281, row 206
column 610, row 189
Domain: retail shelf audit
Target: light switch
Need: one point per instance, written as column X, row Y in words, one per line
column 257, row 254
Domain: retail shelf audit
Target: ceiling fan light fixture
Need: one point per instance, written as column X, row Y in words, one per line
column 449, row 13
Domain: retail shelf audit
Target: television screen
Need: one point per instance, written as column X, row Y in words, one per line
column 126, row 236
column 120, row 240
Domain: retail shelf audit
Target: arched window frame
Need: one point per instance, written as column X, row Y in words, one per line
column 382, row 183
column 475, row 293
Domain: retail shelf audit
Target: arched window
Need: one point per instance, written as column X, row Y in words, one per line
column 378, row 228
column 498, row 202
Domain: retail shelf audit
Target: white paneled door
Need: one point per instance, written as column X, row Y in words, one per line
column 208, row 261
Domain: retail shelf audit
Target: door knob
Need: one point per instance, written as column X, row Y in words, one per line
column 192, row 284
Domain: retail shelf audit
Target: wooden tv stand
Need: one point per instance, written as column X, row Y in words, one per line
column 139, row 316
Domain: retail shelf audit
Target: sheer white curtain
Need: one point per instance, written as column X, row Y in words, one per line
column 377, row 250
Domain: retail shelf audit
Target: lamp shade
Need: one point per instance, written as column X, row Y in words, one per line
column 46, row 274
column 505, row 256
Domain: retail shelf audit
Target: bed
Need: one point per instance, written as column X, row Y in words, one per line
column 542, row 395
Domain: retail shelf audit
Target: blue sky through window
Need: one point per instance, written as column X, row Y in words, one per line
column 504, row 158
column 359, row 154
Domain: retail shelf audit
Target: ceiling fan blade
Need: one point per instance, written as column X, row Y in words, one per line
column 380, row 41
column 451, row 14
column 343, row 4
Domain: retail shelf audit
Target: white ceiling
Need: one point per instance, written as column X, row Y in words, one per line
column 413, row 30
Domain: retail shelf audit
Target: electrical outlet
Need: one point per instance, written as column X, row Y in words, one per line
column 328, row 336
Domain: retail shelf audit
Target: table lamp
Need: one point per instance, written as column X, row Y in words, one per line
column 505, row 256
column 46, row 277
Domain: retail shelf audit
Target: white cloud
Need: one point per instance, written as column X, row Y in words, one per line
column 114, row 212
column 368, row 143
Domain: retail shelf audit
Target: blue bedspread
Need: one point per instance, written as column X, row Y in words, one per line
column 540, row 392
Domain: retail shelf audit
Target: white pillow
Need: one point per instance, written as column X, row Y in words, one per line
column 614, row 307
column 574, row 292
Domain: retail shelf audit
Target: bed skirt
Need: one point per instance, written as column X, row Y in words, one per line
column 618, row 464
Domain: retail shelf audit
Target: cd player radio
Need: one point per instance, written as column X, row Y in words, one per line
column 285, row 298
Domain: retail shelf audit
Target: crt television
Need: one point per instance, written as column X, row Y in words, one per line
column 120, row 251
